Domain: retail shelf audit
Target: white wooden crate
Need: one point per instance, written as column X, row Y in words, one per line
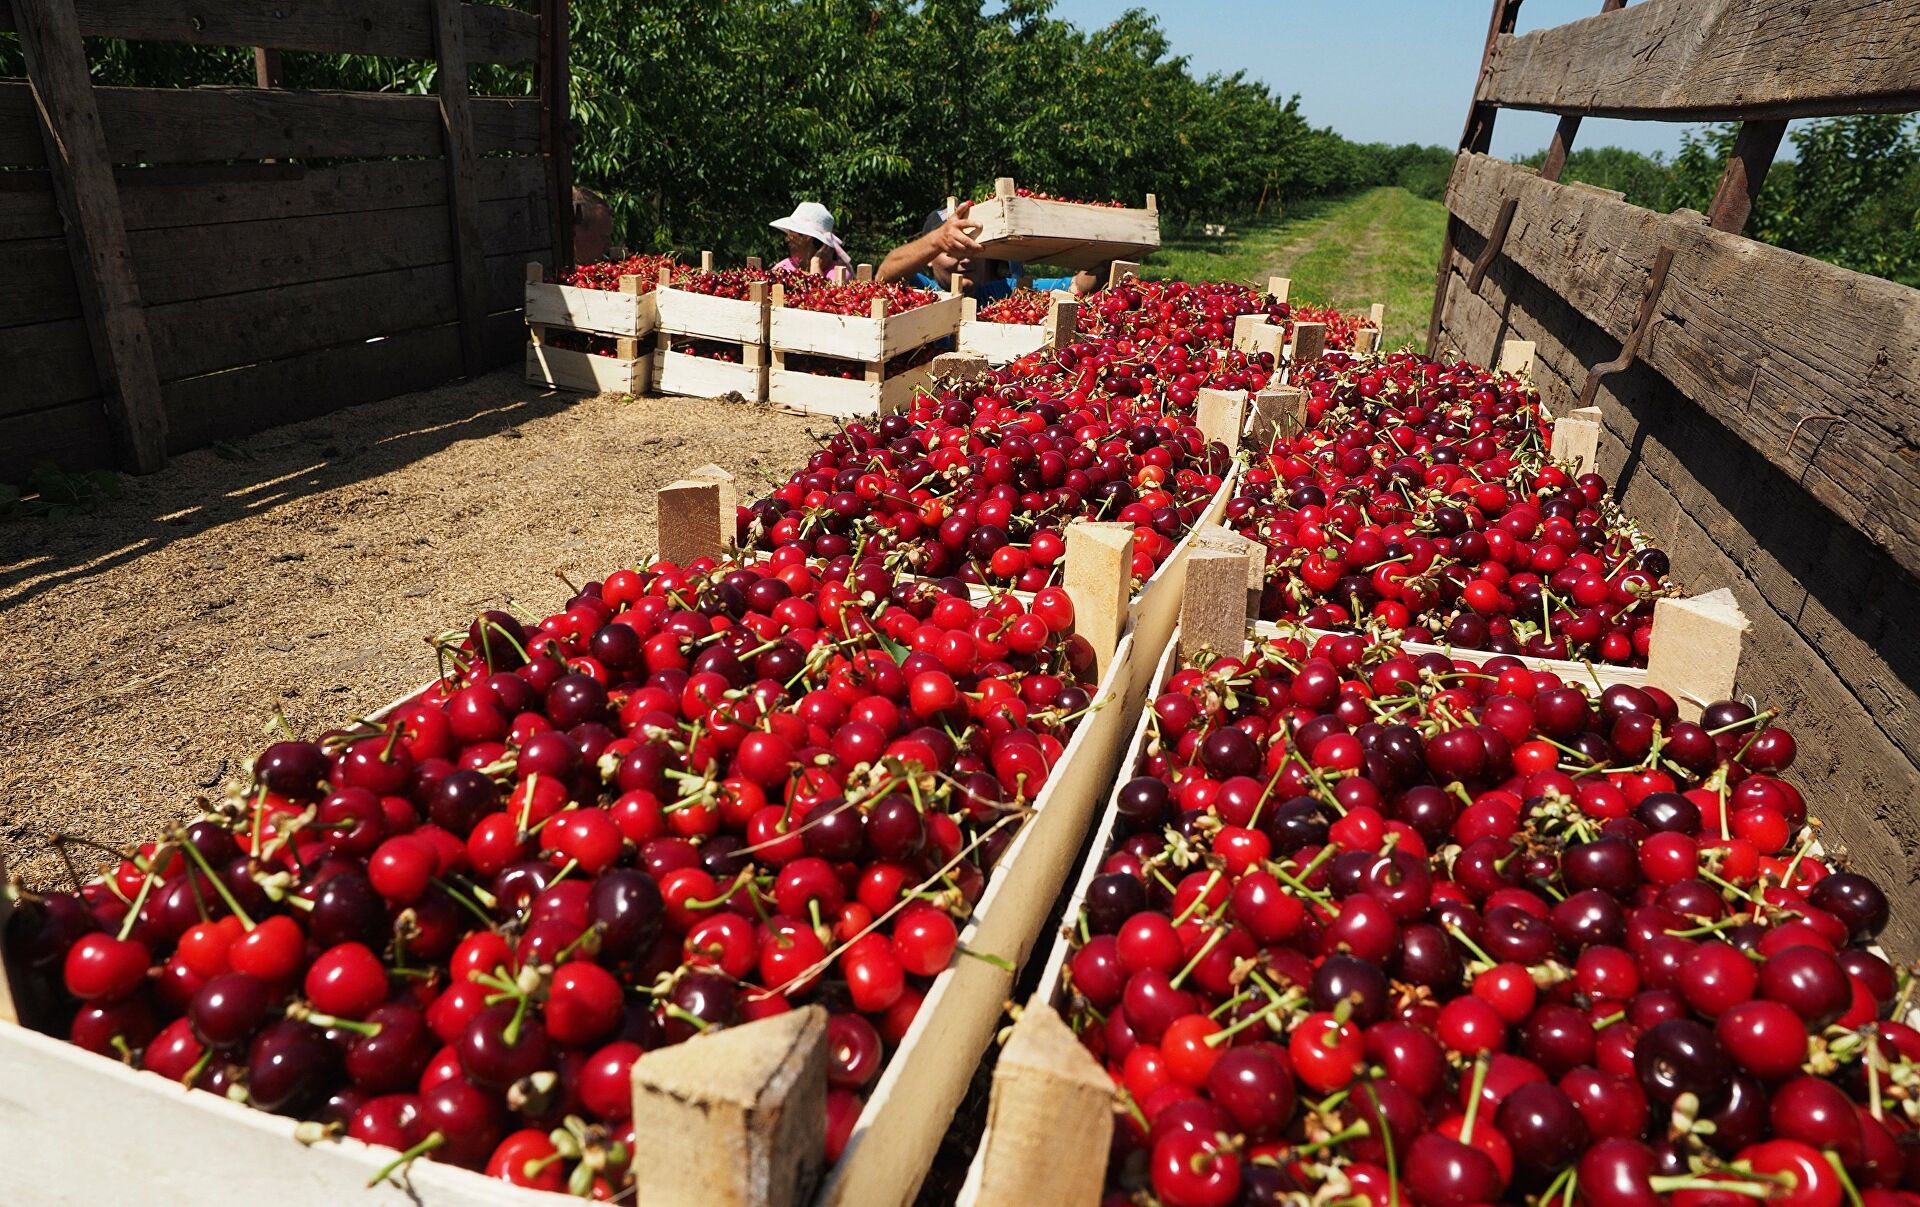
column 1065, row 233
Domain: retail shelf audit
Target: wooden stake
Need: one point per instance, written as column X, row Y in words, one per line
column 1280, row 288
column 1278, row 411
column 1221, row 415
column 813, row 266
column 1003, row 188
column 1365, row 339
column 1576, row 438
column 665, row 277
column 969, row 310
column 840, row 275
column 1099, row 581
column 1213, row 608
column 81, row 170
column 1378, row 313
column 463, row 185
column 753, row 263
column 706, row 261
column 536, row 272
column 1120, row 270
column 1253, row 334
column 1516, row 356
column 736, row 1117
column 1050, row 1120
column 1309, row 341
column 779, row 295
column 688, row 521
column 863, row 272
column 1695, row 652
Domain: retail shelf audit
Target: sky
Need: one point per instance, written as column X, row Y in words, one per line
column 1375, row 70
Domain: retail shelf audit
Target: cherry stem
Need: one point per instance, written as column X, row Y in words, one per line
column 1665, row 1185
column 1853, row 1192
column 1352, row 1133
column 1469, row 944
column 139, row 902
column 219, row 885
column 407, row 1158
column 512, row 1032
column 1473, row 1103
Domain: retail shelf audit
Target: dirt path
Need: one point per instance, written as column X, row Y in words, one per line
column 152, row 639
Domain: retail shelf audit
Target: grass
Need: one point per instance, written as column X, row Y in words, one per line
column 1376, row 246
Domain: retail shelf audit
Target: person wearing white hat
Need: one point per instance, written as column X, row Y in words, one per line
column 809, row 231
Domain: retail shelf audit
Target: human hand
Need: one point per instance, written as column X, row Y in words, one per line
column 954, row 237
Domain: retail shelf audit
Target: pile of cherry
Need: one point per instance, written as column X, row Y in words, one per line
column 977, row 485
column 1420, row 500
column 1026, row 307
column 1395, row 931
column 695, row 796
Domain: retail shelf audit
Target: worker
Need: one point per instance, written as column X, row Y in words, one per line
column 809, row 232
column 946, row 249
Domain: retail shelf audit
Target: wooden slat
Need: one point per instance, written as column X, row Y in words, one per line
column 1815, row 367
column 198, row 125
column 385, row 28
column 182, row 263
column 222, row 406
column 37, row 285
column 76, row 151
column 47, row 364
column 463, row 190
column 73, row 435
column 211, row 334
column 1716, row 60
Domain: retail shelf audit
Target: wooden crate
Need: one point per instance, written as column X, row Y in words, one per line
column 1005, row 1159
column 738, row 322
column 240, row 1151
column 1063, row 233
column 870, row 341
column 586, row 372
column 1003, row 342
column 630, row 311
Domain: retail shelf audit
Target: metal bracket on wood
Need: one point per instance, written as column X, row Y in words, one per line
column 1496, row 238
column 1636, row 339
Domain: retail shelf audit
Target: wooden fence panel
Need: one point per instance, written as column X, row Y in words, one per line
column 1815, row 366
column 1716, row 60
column 383, row 28
column 177, row 264
column 252, row 397
column 209, row 125
column 37, row 285
column 210, row 334
column 48, row 364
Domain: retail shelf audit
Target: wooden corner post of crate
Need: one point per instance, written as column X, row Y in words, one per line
column 1221, row 415
column 1119, row 270
column 736, row 1117
column 1576, row 438
column 1309, row 342
column 81, row 171
column 1063, row 322
column 1099, row 581
column 1213, row 609
column 1049, row 1121
column 1280, row 288
column 1220, row 538
column 1516, row 356
column 692, row 519
column 1279, row 412
column 1695, row 652
column 9, row 1012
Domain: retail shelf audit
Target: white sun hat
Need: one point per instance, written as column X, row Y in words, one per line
column 811, row 218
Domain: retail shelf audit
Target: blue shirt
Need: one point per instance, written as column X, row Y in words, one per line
column 993, row 291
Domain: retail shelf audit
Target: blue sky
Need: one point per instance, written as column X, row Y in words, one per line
column 1375, row 70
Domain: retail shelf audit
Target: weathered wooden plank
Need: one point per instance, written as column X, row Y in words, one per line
column 221, row 406
column 38, row 285
column 182, row 263
column 76, row 151
column 48, row 364
column 1829, row 610
column 193, row 125
column 1716, row 60
column 1816, row 367
column 207, row 335
column 463, row 190
column 153, row 197
column 369, row 27
column 72, row 435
